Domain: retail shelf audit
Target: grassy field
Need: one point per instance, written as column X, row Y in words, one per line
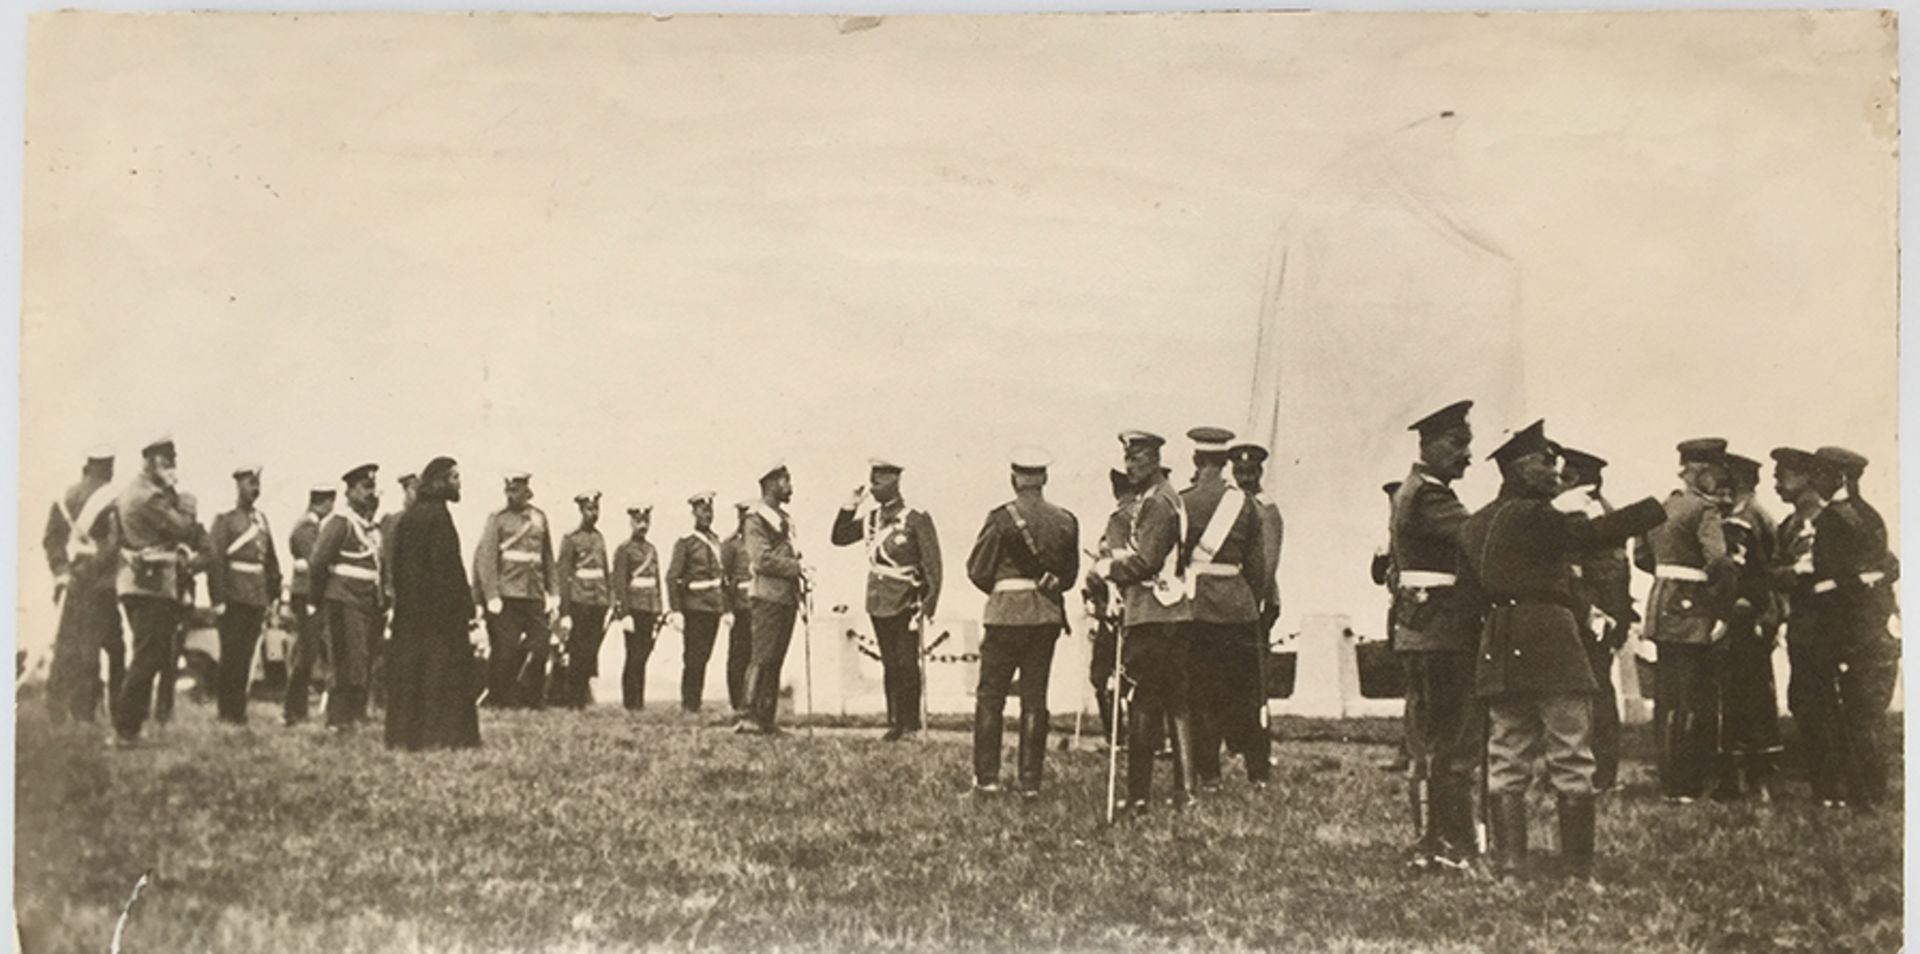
column 600, row 831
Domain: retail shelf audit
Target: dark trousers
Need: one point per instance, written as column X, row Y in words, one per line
column 739, row 658
column 155, row 622
column 1007, row 652
column 1686, row 713
column 1749, row 718
column 1106, row 636
column 351, row 633
column 1813, row 696
column 239, row 636
column 1866, row 689
column 700, row 629
column 1606, row 716
column 1155, row 658
column 899, row 644
column 584, row 636
column 518, row 640
column 89, row 626
column 309, row 642
column 170, row 670
column 772, row 633
column 1223, row 659
column 633, row 675
column 1448, row 747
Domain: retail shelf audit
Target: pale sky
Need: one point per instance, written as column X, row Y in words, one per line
column 649, row 256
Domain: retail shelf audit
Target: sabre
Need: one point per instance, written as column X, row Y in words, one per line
column 806, row 643
column 1119, row 718
column 921, row 658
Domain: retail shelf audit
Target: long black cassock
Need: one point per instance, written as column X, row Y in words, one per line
column 430, row 665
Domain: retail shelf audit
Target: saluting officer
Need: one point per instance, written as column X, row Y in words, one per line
column 1686, row 610
column 1434, row 631
column 739, row 588
column 156, row 542
column 309, row 637
column 585, row 598
column 903, row 585
column 1533, row 672
column 1227, row 577
column 82, row 552
column 1602, row 582
column 636, row 575
column 344, row 577
column 242, row 581
column 697, row 590
column 514, row 578
column 1749, row 718
column 1027, row 554
column 1151, row 570
column 1853, row 566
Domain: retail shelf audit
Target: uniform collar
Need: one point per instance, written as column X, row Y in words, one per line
column 1424, row 475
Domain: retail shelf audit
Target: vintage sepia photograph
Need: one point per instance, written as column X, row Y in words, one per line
column 1201, row 482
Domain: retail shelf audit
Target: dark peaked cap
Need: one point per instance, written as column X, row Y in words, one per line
column 1446, row 419
column 1531, row 439
column 1793, row 458
column 1846, row 461
column 1703, row 450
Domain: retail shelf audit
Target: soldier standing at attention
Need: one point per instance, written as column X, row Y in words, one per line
column 1227, row 581
column 1249, row 470
column 1602, row 580
column 697, row 590
column 1103, row 601
column 82, row 553
column 309, row 639
column 1027, row 554
column 585, row 597
column 1853, row 567
column 156, row 534
column 1813, row 620
column 1533, row 672
column 242, row 582
column 739, row 589
column 636, row 575
column 514, row 576
column 1749, row 719
column 1686, row 610
column 903, row 585
column 1151, row 570
column 344, row 579
column 1434, row 631
column 779, row 579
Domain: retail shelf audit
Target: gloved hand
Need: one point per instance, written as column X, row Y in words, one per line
column 496, row 606
column 219, row 609
column 856, row 498
column 1719, row 631
column 553, row 602
column 566, row 624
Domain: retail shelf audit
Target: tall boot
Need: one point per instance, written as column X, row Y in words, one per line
column 988, row 723
column 1452, row 814
column 1184, row 779
column 1033, row 750
column 1576, row 836
column 1143, row 737
column 1509, row 834
column 1420, row 852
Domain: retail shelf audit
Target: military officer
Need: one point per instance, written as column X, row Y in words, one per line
column 636, row 575
column 1434, row 633
column 779, row 585
column 1027, row 554
column 1229, row 584
column 1748, row 718
column 739, row 590
column 1686, row 616
column 585, row 599
column 242, row 582
column 309, row 638
column 1813, row 693
column 1151, row 571
column 1602, row 580
column 156, row 535
column 376, row 688
column 697, row 590
column 1103, row 602
column 1249, row 471
column 1853, row 567
column 515, row 581
column 1532, row 669
column 82, row 553
column 199, row 554
column 343, row 578
column 903, row 585
column 1380, row 568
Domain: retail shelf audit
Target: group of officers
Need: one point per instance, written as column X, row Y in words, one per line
column 1508, row 618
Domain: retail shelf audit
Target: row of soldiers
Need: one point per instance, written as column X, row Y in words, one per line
column 1507, row 621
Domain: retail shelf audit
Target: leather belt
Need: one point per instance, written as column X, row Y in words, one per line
column 590, row 573
column 1014, row 585
column 239, row 566
column 353, row 572
column 699, row 585
column 519, row 556
column 1425, row 579
column 1216, row 569
column 1674, row 571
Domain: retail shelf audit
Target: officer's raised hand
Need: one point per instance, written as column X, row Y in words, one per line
column 496, row 606
column 856, row 498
